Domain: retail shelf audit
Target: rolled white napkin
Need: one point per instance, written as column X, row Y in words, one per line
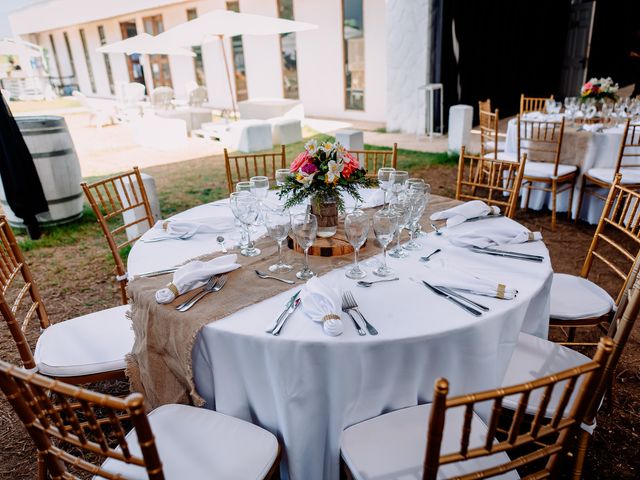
column 322, row 304
column 457, row 279
column 195, row 274
column 177, row 228
column 491, row 234
column 461, row 213
column 593, row 127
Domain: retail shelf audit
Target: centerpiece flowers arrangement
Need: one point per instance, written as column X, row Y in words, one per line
column 599, row 89
column 321, row 173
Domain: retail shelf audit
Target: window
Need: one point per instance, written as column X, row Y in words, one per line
column 353, row 46
column 73, row 66
column 239, row 69
column 288, row 53
column 134, row 64
column 107, row 62
column 87, row 59
column 160, row 69
column 198, row 63
column 55, row 55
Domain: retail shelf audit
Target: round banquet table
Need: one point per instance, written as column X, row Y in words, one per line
column 306, row 387
column 583, row 148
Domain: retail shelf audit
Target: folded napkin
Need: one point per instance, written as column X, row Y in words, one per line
column 457, row 279
column 543, row 117
column 593, row 127
column 195, row 274
column 491, row 234
column 322, row 304
column 462, row 213
column 178, row 228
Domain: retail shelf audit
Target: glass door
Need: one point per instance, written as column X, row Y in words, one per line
column 134, row 62
column 159, row 63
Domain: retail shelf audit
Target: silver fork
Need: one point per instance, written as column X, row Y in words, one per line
column 210, row 284
column 349, row 302
column 215, row 288
column 347, row 310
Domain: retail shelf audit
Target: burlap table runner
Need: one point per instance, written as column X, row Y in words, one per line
column 159, row 365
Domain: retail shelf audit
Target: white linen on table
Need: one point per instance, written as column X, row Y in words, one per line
column 307, row 387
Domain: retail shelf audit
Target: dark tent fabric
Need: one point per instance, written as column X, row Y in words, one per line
column 20, row 179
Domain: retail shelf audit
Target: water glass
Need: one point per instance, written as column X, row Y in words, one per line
column 278, row 223
column 243, row 187
column 402, row 210
column 384, row 177
column 384, row 226
column 246, row 209
column 398, row 180
column 356, row 227
column 415, row 183
column 259, row 187
column 305, row 228
column 416, row 202
column 281, row 176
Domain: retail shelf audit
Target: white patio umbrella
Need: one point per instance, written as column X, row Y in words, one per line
column 225, row 23
column 144, row 44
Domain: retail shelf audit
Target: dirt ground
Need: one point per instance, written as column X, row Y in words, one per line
column 75, row 279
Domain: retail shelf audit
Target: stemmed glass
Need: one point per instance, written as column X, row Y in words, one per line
column 305, row 228
column 243, row 186
column 402, row 210
column 259, row 187
column 384, row 226
column 416, row 201
column 281, row 176
column 398, row 180
column 246, row 209
column 384, row 177
column 356, row 227
column 278, row 223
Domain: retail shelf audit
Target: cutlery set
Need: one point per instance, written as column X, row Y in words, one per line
column 349, row 305
column 215, row 284
column 289, row 308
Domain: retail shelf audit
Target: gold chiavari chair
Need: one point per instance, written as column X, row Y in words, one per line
column 372, row 160
column 576, row 301
column 490, row 145
column 496, row 182
column 533, row 104
column 243, row 166
column 459, row 444
column 172, row 442
column 542, row 141
column 80, row 350
column 628, row 164
column 484, row 105
column 110, row 199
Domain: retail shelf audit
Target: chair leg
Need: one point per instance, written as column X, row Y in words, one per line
column 571, row 334
column 527, row 196
column 554, row 197
column 581, row 454
column 570, row 209
column 42, row 468
column 580, row 199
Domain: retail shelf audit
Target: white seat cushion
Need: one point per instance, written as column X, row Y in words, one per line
column 534, row 358
column 575, row 298
column 545, row 169
column 94, row 343
column 392, row 446
column 629, row 175
column 196, row 443
column 504, row 156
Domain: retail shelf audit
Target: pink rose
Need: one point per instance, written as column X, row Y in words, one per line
column 348, row 158
column 301, row 160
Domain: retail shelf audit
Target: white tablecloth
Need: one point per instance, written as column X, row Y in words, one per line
column 585, row 150
column 307, row 388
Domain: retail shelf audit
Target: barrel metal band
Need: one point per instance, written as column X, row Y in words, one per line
column 64, row 199
column 43, row 131
column 54, row 153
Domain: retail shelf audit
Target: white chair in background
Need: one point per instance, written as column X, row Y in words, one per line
column 161, row 98
column 99, row 116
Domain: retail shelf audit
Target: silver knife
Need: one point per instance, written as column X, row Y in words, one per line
column 462, row 297
column 287, row 306
column 507, row 254
column 290, row 311
column 452, row 299
column 475, row 292
column 475, row 219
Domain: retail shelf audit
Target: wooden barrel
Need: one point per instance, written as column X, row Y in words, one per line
column 58, row 168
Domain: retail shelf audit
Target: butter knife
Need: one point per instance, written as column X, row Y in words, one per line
column 287, row 306
column 462, row 305
column 290, row 311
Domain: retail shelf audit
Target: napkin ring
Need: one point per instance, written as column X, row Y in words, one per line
column 165, row 224
column 501, row 290
column 330, row 316
column 173, row 289
column 531, row 237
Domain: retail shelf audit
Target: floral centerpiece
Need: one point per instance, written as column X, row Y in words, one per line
column 322, row 172
column 599, row 89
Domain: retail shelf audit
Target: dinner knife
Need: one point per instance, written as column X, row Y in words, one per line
column 464, row 306
column 507, row 254
column 462, row 297
column 484, row 217
column 289, row 312
column 287, row 306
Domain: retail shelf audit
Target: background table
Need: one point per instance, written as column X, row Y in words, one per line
column 307, row 388
column 585, row 150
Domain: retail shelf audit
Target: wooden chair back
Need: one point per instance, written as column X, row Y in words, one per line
column 629, row 154
column 372, row 160
column 58, row 415
column 533, row 104
column 241, row 167
column 110, row 198
column 541, row 140
column 489, row 133
column 496, row 182
column 557, row 430
column 484, row 105
column 20, row 299
column 616, row 241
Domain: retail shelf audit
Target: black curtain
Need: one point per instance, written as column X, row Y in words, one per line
column 506, row 48
column 20, row 179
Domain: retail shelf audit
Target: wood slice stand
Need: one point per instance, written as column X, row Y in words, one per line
column 335, row 246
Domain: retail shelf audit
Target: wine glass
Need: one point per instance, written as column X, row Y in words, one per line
column 305, row 228
column 384, row 226
column 356, row 227
column 398, row 180
column 401, row 209
column 243, row 187
column 384, row 176
column 281, row 176
column 246, row 209
column 259, row 187
column 413, row 183
column 278, row 223
column 416, row 202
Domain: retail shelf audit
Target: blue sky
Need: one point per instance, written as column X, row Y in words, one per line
column 7, row 6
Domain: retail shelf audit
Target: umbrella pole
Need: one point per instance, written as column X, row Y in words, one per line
column 226, row 69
